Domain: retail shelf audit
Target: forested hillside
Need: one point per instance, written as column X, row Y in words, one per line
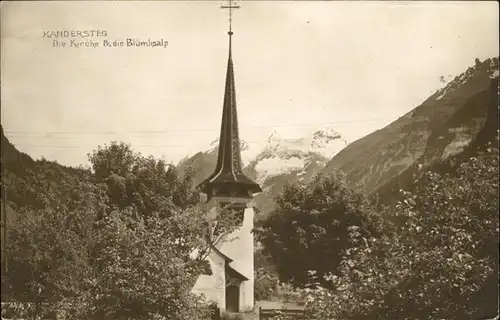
column 111, row 242
column 441, row 126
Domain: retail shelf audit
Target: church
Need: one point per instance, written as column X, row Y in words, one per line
column 230, row 282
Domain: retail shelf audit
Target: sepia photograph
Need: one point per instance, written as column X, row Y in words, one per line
column 249, row 160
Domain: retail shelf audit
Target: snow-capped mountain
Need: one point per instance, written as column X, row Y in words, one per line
column 456, row 117
column 488, row 68
column 279, row 160
column 286, row 156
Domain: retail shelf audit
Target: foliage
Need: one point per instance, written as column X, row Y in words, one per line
column 214, row 311
column 114, row 243
column 309, row 228
column 266, row 277
column 145, row 268
column 33, row 183
column 441, row 264
column 142, row 182
column 49, row 249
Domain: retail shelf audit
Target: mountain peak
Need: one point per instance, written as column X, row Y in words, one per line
column 487, row 67
column 445, row 124
column 278, row 160
column 325, row 135
column 275, row 137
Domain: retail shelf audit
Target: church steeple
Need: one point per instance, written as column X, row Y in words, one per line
column 228, row 179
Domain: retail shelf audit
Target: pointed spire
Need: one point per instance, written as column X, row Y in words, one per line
column 228, row 179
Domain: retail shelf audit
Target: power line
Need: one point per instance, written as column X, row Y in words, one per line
column 93, row 146
column 133, row 145
column 142, row 132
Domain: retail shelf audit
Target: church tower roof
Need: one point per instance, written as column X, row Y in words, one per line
column 228, row 179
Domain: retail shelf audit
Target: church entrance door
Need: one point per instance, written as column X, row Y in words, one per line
column 232, row 298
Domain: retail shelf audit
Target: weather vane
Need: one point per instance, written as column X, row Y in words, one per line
column 230, row 7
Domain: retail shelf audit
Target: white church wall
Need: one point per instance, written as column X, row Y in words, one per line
column 213, row 286
column 240, row 248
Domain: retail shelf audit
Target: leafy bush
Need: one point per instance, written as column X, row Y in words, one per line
column 115, row 243
column 266, row 277
column 441, row 264
column 309, row 228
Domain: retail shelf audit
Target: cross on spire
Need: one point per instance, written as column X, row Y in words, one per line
column 230, row 7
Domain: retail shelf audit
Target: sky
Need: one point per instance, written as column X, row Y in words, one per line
column 299, row 66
